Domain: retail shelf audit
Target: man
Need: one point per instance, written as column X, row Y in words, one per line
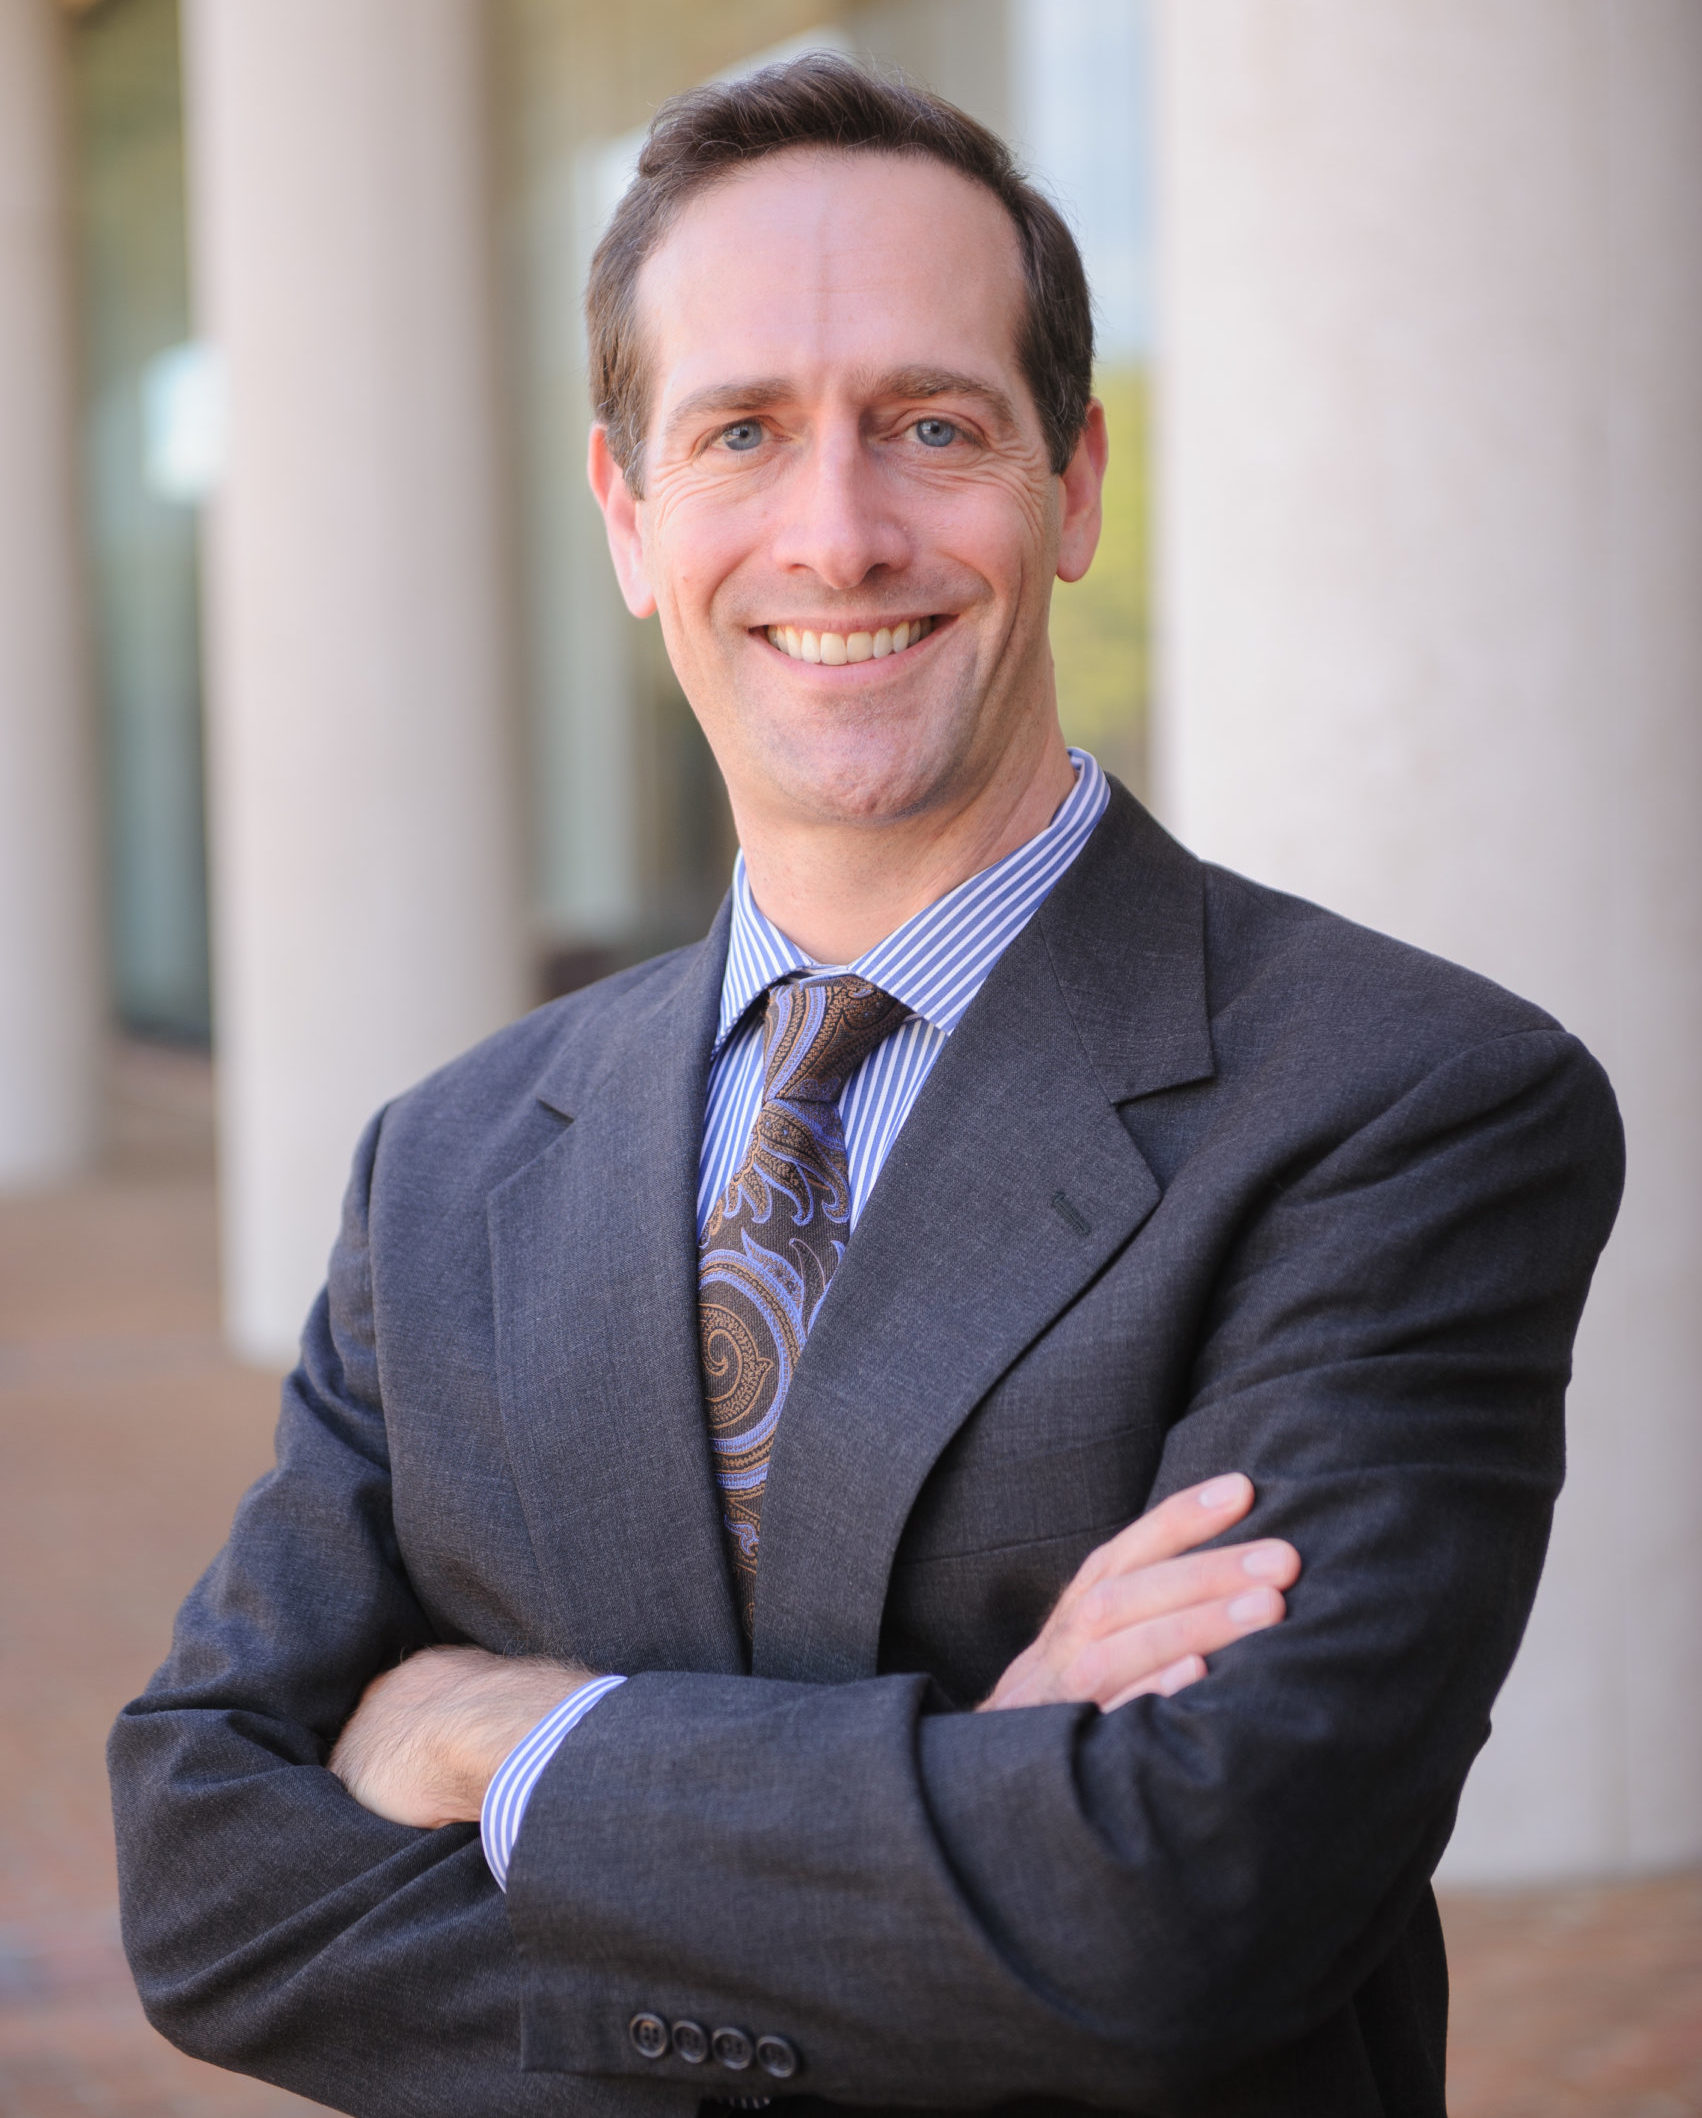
column 733, row 1376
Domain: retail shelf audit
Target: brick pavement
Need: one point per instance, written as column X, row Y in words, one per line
column 126, row 1435
column 1580, row 2003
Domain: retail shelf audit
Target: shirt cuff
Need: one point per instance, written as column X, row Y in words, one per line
column 504, row 1807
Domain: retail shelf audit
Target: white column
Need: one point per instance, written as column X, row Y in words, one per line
column 1431, row 540
column 51, row 998
column 367, row 905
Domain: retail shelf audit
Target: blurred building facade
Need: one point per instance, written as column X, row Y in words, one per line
column 1428, row 427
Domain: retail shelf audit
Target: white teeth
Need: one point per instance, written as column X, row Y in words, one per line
column 837, row 648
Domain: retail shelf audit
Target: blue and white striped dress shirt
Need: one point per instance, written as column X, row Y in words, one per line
column 935, row 963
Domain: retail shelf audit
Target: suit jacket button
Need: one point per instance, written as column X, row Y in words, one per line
column 775, row 2055
column 691, row 2043
column 732, row 2049
column 649, row 2034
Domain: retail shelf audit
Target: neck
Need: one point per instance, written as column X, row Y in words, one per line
column 836, row 888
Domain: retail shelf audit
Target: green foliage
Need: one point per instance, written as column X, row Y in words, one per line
column 1101, row 625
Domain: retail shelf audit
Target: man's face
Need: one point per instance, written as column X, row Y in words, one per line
column 850, row 526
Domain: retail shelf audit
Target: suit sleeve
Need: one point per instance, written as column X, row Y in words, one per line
column 273, row 1925
column 964, row 1909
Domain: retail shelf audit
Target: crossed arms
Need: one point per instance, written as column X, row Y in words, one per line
column 936, row 1907
column 1140, row 1616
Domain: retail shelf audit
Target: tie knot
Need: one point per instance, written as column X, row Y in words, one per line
column 820, row 1032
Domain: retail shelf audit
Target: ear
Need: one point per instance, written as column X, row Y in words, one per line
column 620, row 520
column 1083, row 480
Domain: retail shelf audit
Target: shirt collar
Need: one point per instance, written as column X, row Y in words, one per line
column 939, row 959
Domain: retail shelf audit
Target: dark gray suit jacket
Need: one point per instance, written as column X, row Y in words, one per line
column 1206, row 1179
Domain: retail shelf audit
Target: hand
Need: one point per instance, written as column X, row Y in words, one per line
column 1139, row 1618
column 427, row 1737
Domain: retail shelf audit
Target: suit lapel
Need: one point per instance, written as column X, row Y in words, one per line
column 594, row 1253
column 1012, row 1184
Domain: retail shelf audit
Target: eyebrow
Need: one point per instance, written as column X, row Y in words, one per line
column 915, row 383
column 731, row 397
column 947, row 382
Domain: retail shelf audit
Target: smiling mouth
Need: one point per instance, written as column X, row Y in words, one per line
column 836, row 648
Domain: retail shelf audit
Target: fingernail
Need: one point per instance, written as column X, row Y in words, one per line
column 1264, row 1562
column 1179, row 1676
column 1221, row 1491
column 1254, row 1605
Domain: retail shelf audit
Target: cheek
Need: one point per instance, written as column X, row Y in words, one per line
column 1036, row 504
column 691, row 550
column 1006, row 531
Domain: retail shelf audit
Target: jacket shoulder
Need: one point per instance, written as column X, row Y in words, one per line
column 1179, row 970
column 497, row 1103
column 1332, row 1025
column 1286, row 962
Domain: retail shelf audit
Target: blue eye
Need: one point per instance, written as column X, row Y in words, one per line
column 936, row 433
column 743, row 435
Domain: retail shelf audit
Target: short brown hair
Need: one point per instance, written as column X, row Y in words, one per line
column 825, row 101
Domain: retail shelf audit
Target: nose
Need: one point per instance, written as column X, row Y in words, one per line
column 838, row 516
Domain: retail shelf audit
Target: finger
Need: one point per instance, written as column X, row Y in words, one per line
column 1176, row 1525
column 1026, row 1681
column 1105, row 1669
column 1157, row 1654
column 1166, row 1682
column 1148, row 1545
column 1124, row 1599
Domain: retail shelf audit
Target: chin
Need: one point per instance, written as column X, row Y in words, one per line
column 866, row 785
column 870, row 767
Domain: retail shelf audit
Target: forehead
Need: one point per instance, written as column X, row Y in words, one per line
column 809, row 267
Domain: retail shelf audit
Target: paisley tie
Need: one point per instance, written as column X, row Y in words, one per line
column 775, row 1236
